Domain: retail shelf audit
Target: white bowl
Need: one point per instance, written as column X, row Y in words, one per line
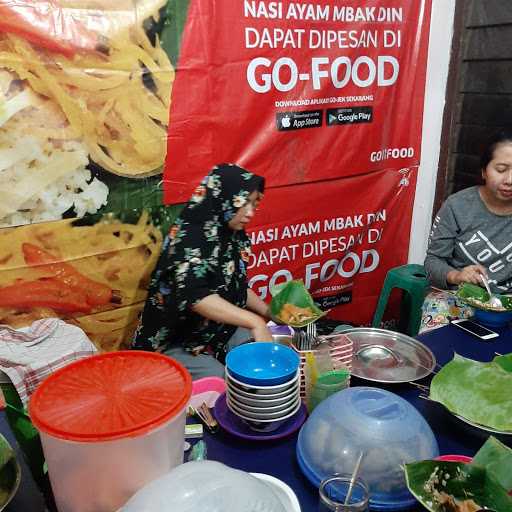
column 262, row 390
column 262, row 403
column 264, row 409
column 283, row 491
column 271, row 396
column 266, row 425
column 263, row 416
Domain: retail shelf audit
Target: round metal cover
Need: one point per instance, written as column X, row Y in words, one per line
column 389, row 357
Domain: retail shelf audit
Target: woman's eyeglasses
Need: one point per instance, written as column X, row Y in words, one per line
column 251, row 205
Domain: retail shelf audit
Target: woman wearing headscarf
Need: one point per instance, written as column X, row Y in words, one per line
column 199, row 305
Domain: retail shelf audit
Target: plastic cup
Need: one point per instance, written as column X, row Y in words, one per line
column 333, row 493
column 326, row 385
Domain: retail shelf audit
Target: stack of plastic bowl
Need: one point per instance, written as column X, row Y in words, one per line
column 262, row 384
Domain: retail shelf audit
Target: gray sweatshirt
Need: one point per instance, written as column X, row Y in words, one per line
column 464, row 233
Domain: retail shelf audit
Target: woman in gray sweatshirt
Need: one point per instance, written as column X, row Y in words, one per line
column 472, row 232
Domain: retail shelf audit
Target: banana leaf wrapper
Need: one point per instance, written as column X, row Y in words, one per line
column 479, row 392
column 292, row 304
column 497, row 460
column 461, row 481
column 478, row 297
column 504, row 361
column 9, row 472
column 6, row 452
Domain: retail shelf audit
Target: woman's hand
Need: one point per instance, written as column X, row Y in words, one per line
column 220, row 310
column 469, row 274
column 254, row 303
column 261, row 333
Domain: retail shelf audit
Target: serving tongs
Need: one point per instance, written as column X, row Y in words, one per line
column 206, row 417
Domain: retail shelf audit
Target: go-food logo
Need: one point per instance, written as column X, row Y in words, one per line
column 391, row 154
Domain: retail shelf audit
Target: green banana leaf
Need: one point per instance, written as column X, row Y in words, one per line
column 497, row 460
column 295, row 293
column 478, row 297
column 175, row 19
column 128, row 206
column 6, row 452
column 459, row 480
column 505, row 362
column 479, row 392
column 10, row 472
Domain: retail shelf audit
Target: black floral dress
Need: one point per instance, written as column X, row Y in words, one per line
column 200, row 256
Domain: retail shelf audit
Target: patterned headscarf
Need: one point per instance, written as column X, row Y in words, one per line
column 203, row 222
column 221, row 193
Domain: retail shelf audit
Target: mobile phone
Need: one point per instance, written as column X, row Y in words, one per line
column 476, row 329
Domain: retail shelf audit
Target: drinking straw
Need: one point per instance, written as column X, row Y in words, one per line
column 353, row 478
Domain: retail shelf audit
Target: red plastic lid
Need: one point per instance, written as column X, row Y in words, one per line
column 455, row 458
column 110, row 396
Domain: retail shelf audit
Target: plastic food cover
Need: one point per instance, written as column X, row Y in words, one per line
column 205, row 486
column 386, row 428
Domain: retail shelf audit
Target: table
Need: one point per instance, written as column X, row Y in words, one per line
column 277, row 458
column 453, row 436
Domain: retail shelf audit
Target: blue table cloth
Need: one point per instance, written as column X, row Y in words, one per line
column 277, row 458
column 454, row 437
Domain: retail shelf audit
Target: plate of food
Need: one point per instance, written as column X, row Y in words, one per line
column 482, row 484
column 484, row 427
column 293, row 305
column 478, row 298
column 85, row 90
column 91, row 274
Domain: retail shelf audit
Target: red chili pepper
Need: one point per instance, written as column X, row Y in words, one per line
column 97, row 294
column 47, row 24
column 47, row 293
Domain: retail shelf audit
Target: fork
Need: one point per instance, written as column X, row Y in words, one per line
column 299, row 339
column 311, row 334
column 311, row 330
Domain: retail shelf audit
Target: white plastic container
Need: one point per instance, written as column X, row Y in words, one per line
column 109, row 424
column 208, row 486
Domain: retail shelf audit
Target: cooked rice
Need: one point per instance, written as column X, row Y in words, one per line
column 30, row 141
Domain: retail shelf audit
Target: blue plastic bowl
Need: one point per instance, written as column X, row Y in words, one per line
column 493, row 318
column 263, row 364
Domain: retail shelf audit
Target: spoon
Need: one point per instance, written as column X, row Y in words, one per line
column 494, row 301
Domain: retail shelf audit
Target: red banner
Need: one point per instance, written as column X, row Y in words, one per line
column 324, row 99
column 297, row 91
column 340, row 237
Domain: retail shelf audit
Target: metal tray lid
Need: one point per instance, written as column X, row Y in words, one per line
column 389, row 357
